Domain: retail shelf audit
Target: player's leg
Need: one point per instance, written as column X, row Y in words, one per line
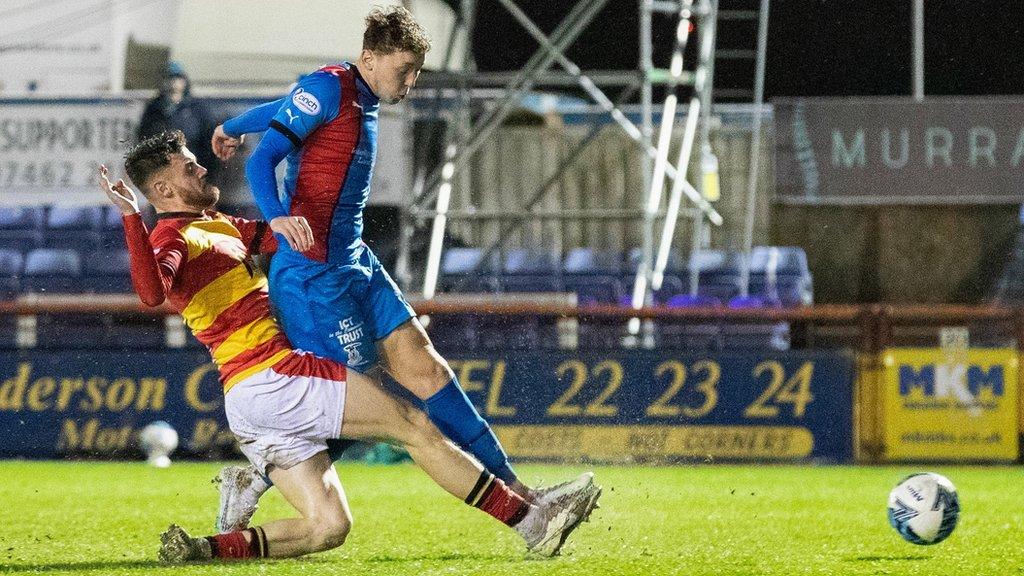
column 410, row 358
column 295, row 300
column 241, row 488
column 371, row 413
column 312, row 487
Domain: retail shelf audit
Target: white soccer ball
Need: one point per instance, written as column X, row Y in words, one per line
column 158, row 439
column 924, row 508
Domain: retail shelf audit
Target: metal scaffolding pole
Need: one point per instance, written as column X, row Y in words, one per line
column 707, row 49
column 444, row 195
column 566, row 32
column 755, row 148
column 402, row 265
column 511, row 227
column 657, row 183
column 460, row 156
column 584, row 81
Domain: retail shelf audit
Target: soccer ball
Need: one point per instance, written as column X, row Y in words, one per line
column 158, row 439
column 924, row 508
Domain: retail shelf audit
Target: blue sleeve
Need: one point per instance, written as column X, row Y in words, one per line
column 312, row 103
column 255, row 119
column 259, row 170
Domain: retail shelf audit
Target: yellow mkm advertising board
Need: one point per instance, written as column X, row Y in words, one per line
column 950, row 405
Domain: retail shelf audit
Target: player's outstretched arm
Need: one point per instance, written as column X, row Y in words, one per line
column 150, row 278
column 229, row 136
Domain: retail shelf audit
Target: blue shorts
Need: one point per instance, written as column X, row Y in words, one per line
column 337, row 311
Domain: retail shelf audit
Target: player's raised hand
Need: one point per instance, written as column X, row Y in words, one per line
column 295, row 230
column 224, row 146
column 120, row 194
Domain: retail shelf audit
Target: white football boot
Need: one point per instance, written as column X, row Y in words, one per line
column 240, row 491
column 560, row 494
column 546, row 526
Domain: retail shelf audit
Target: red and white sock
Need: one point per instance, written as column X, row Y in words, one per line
column 235, row 545
column 491, row 495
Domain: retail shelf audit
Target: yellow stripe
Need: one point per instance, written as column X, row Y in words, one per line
column 480, row 494
column 219, row 295
column 254, row 369
column 249, row 336
column 202, row 235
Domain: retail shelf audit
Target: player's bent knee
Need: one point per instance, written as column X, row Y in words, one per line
column 416, row 427
column 435, row 375
column 331, row 533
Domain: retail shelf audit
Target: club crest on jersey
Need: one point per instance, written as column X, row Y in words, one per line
column 306, row 102
column 349, row 335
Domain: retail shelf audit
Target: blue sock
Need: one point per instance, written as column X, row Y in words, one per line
column 335, row 448
column 452, row 412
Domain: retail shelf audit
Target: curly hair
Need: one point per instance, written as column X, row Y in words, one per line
column 393, row 29
column 151, row 155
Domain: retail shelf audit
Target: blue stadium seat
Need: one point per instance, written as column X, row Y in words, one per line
column 457, row 274
column 8, row 331
column 692, row 301
column 73, row 227
column 52, row 270
column 592, row 261
column 106, row 272
column 11, row 264
column 781, row 274
column 594, row 275
column 21, row 217
column 529, row 270
column 21, row 227
column 718, row 273
column 672, row 283
column 111, row 229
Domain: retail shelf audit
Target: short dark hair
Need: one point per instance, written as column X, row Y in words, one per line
column 151, row 155
column 393, row 29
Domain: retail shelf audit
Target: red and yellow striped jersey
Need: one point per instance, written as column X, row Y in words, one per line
column 202, row 264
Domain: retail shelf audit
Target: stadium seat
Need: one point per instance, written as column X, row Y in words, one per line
column 672, row 283
column 457, row 271
column 107, row 271
column 52, row 270
column 781, row 274
column 692, row 301
column 21, row 217
column 11, row 263
column 73, row 227
column 21, row 227
column 529, row 270
column 594, row 275
column 592, row 261
column 111, row 229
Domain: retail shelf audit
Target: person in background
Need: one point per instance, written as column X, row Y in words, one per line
column 174, row 108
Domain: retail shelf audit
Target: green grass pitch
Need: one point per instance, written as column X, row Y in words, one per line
column 104, row 518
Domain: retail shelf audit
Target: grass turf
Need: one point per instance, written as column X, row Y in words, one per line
column 104, row 518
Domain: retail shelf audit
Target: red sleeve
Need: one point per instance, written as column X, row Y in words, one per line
column 154, row 264
column 256, row 235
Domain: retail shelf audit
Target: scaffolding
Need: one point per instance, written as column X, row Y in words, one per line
column 433, row 193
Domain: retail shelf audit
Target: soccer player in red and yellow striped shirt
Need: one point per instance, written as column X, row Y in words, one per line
column 282, row 404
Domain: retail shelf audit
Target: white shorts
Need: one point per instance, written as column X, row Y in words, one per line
column 285, row 414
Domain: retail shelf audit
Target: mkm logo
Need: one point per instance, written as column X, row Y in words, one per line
column 952, row 380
